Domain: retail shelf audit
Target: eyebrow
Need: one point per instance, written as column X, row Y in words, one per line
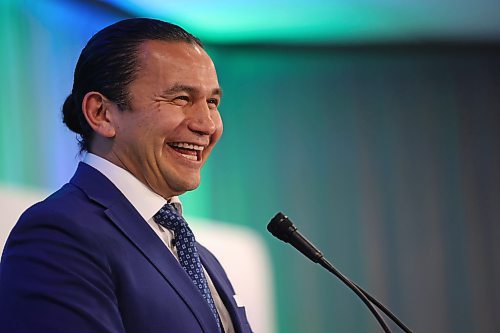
column 176, row 88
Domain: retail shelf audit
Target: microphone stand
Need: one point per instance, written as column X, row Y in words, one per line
column 282, row 228
column 354, row 287
column 323, row 262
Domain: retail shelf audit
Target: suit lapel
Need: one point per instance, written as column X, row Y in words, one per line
column 223, row 287
column 126, row 218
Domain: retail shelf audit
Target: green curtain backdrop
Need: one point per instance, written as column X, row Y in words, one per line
column 387, row 157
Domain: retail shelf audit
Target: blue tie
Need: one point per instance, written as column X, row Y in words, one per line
column 188, row 255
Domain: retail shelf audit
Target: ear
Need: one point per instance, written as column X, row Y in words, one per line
column 96, row 109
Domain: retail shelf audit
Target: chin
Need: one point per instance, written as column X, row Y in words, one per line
column 184, row 185
column 194, row 185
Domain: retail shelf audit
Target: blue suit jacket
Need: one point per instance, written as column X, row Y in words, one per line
column 84, row 260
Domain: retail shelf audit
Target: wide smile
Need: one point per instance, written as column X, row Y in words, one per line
column 188, row 150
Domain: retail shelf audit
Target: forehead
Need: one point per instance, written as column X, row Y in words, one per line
column 181, row 58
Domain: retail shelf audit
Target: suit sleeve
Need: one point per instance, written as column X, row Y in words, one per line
column 54, row 277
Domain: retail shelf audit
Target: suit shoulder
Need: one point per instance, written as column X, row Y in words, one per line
column 66, row 209
column 65, row 217
column 65, row 202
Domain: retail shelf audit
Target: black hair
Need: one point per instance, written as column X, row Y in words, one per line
column 109, row 63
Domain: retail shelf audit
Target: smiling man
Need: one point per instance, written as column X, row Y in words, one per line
column 110, row 251
column 171, row 122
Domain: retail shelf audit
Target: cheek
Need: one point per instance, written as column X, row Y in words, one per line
column 156, row 128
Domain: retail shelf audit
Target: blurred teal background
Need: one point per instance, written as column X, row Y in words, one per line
column 374, row 125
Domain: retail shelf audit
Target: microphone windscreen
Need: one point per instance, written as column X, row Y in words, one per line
column 281, row 227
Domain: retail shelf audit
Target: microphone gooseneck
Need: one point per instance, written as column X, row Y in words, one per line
column 282, row 228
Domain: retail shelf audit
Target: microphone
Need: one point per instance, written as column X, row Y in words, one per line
column 282, row 228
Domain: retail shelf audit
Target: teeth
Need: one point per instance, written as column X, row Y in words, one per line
column 190, row 157
column 187, row 146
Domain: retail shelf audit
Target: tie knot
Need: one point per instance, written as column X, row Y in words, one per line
column 168, row 217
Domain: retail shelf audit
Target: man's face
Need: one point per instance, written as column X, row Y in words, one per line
column 173, row 122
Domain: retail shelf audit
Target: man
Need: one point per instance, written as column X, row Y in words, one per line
column 109, row 251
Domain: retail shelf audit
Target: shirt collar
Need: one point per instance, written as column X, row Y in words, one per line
column 144, row 200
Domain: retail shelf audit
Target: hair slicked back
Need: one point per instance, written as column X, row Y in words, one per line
column 109, row 63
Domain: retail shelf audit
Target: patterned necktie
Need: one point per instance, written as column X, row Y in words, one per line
column 188, row 255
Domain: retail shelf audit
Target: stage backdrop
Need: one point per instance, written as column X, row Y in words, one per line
column 386, row 156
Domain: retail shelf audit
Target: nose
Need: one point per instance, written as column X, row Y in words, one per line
column 201, row 120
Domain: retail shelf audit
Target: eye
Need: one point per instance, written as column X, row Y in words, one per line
column 181, row 100
column 213, row 102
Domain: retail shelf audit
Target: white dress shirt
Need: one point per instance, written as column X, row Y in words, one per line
column 148, row 203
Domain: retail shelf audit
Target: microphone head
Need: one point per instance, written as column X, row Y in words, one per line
column 281, row 227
